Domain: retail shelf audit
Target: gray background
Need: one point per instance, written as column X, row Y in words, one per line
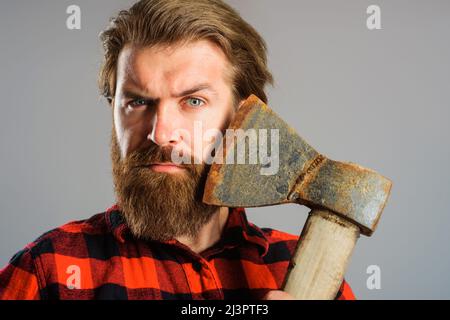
column 379, row 98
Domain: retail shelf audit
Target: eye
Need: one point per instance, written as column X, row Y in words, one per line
column 137, row 103
column 195, row 102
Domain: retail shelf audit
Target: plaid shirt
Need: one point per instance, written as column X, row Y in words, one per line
column 98, row 258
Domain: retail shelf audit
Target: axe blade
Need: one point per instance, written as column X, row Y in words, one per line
column 250, row 184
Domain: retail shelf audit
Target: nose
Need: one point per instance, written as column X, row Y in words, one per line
column 163, row 127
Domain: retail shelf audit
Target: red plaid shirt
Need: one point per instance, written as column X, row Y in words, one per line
column 98, row 258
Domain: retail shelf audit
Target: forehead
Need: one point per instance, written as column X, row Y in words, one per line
column 176, row 66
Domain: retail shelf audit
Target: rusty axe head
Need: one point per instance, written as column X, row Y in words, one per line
column 293, row 173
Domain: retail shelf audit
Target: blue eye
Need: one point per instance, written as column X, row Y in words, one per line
column 137, row 103
column 195, row 102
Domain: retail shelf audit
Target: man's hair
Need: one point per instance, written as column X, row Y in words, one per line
column 171, row 22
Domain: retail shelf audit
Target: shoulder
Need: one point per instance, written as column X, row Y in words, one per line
column 67, row 238
column 274, row 235
column 281, row 244
column 41, row 262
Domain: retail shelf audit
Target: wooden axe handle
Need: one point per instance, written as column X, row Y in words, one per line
column 319, row 262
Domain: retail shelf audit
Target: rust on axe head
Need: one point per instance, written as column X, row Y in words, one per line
column 304, row 176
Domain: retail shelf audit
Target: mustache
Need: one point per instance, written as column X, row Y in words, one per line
column 155, row 154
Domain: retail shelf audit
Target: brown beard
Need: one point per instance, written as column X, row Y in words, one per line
column 158, row 205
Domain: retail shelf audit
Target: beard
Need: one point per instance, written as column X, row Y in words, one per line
column 157, row 205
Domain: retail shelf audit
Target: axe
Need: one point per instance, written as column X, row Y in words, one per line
column 346, row 200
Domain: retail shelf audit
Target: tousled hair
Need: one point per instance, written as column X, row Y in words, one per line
column 170, row 22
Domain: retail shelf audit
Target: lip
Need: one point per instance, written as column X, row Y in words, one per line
column 165, row 167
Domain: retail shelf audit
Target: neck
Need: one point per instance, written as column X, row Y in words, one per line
column 209, row 234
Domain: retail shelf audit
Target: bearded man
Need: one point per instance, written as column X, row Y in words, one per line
column 169, row 65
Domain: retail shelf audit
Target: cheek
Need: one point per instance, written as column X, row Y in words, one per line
column 130, row 134
column 211, row 134
column 123, row 141
column 119, row 131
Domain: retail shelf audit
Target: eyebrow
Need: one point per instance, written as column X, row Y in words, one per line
column 131, row 93
column 200, row 87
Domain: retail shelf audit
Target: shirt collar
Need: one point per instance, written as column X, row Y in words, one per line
column 238, row 230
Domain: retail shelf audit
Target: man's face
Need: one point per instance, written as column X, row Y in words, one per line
column 163, row 96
